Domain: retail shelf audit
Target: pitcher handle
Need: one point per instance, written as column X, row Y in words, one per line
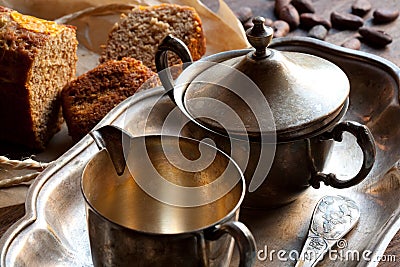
column 175, row 45
column 243, row 238
column 367, row 144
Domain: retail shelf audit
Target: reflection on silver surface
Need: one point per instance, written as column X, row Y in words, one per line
column 127, row 225
column 122, row 200
column 54, row 232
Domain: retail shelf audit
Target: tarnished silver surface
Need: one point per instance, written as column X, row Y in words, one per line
column 296, row 85
column 53, row 232
column 304, row 93
column 128, row 224
column 333, row 218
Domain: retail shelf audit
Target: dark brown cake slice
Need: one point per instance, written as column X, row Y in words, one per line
column 88, row 98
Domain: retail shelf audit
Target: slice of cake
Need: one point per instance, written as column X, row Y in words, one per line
column 38, row 58
column 139, row 33
column 88, row 98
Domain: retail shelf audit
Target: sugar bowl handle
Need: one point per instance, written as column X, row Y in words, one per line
column 243, row 239
column 175, row 45
column 367, row 144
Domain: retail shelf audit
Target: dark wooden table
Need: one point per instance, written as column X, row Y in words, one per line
column 10, row 215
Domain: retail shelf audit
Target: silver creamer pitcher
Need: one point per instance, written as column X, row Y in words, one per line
column 128, row 226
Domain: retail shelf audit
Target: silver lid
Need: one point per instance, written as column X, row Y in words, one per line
column 303, row 92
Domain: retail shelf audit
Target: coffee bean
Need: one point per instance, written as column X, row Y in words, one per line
column 309, row 20
column 361, row 7
column 279, row 4
column 303, row 6
column 318, row 32
column 346, row 21
column 375, row 37
column 385, row 15
column 244, row 14
column 353, row 43
column 290, row 15
column 268, row 22
column 281, row 28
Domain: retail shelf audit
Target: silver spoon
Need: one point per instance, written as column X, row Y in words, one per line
column 333, row 218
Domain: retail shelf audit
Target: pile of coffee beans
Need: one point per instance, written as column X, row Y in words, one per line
column 293, row 14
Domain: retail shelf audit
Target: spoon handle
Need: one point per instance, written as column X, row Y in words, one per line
column 333, row 218
column 313, row 251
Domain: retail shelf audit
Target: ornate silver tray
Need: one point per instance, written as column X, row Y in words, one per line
column 53, row 231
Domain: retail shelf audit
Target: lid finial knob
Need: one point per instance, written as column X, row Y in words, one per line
column 259, row 36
